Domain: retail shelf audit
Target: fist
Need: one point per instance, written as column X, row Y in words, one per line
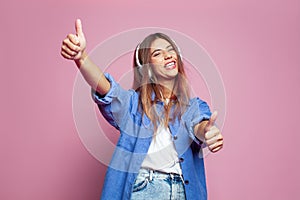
column 212, row 136
column 74, row 45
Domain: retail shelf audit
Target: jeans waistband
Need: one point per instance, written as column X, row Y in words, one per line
column 153, row 174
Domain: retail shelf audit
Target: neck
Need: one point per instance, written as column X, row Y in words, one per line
column 167, row 88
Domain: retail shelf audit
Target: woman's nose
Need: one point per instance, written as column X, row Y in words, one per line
column 168, row 55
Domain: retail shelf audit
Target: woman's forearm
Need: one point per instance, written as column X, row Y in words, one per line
column 92, row 74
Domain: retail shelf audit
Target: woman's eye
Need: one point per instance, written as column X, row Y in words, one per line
column 156, row 54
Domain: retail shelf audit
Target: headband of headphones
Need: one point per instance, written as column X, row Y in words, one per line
column 137, row 56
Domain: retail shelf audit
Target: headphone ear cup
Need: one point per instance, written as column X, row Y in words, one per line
column 137, row 60
column 150, row 74
column 179, row 52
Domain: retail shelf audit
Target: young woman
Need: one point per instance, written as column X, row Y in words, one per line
column 162, row 129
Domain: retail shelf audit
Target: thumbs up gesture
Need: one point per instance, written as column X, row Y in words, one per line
column 212, row 135
column 74, row 45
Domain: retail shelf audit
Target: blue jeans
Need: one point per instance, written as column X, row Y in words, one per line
column 151, row 184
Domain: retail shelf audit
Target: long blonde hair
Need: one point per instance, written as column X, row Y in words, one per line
column 145, row 83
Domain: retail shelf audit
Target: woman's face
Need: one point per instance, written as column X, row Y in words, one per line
column 164, row 60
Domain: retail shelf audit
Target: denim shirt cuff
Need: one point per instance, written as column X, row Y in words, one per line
column 112, row 93
column 191, row 125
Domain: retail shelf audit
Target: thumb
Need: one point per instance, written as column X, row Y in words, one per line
column 211, row 121
column 78, row 28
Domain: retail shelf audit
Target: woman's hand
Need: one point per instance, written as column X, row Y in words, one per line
column 74, row 45
column 207, row 132
column 212, row 136
column 73, row 48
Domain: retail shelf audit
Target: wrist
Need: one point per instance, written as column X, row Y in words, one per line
column 201, row 131
column 79, row 62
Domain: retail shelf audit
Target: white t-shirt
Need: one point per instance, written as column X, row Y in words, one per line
column 162, row 155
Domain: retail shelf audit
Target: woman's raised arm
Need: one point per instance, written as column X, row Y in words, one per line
column 74, row 48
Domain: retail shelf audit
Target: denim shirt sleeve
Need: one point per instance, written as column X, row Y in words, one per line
column 200, row 111
column 115, row 104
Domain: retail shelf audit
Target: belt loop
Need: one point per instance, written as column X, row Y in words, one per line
column 182, row 178
column 171, row 176
column 151, row 175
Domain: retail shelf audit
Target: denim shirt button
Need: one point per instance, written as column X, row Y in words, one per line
column 181, row 160
column 175, row 137
column 186, row 182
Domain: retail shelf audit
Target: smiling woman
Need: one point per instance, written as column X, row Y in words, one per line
column 160, row 72
column 162, row 129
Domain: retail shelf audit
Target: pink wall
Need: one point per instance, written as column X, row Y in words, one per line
column 255, row 45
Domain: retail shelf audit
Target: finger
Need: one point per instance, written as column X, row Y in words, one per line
column 74, row 39
column 78, row 28
column 65, row 55
column 212, row 120
column 216, row 149
column 215, row 139
column 211, row 133
column 216, row 146
column 71, row 45
column 69, row 51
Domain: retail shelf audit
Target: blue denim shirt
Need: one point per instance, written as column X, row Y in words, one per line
column 120, row 108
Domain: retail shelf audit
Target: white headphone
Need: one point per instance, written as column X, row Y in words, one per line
column 137, row 56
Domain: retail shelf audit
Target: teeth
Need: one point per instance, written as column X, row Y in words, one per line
column 170, row 64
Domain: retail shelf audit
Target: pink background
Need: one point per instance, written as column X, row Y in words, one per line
column 255, row 45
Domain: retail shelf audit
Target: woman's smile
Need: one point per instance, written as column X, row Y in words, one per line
column 170, row 65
